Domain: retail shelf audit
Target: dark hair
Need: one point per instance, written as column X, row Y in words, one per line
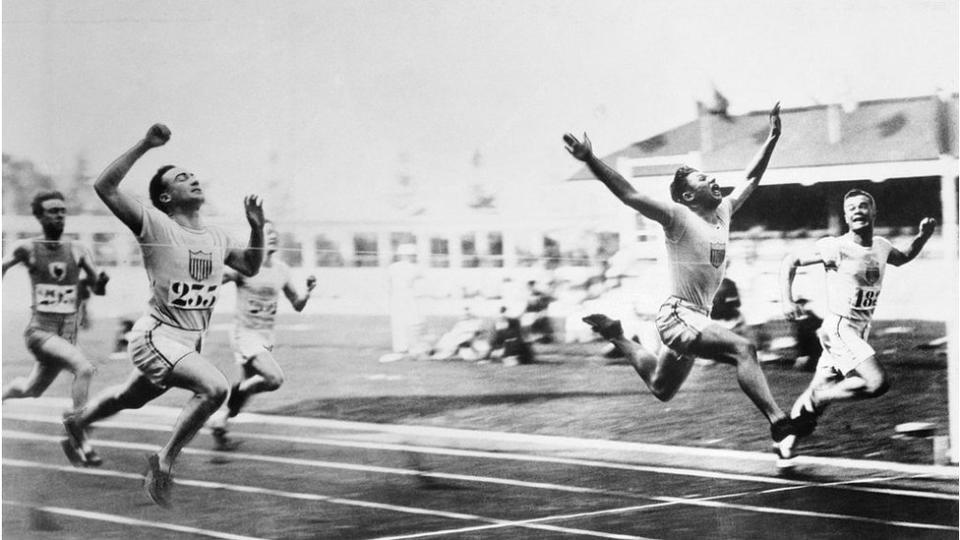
column 861, row 193
column 157, row 187
column 679, row 183
column 37, row 204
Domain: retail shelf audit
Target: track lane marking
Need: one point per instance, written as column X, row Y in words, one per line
column 548, row 441
column 492, row 522
column 113, row 518
column 676, row 471
column 535, row 485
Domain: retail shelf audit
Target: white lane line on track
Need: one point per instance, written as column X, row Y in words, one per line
column 112, row 518
column 537, row 485
column 493, row 522
column 544, row 441
column 676, row 471
column 300, row 462
column 807, row 513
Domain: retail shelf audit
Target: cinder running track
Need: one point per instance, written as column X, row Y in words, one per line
column 309, row 478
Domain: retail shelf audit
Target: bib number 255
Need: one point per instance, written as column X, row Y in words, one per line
column 185, row 295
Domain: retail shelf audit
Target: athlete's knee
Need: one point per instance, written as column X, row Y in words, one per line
column 85, row 370
column 663, row 392
column 876, row 387
column 746, row 350
column 663, row 388
column 215, row 391
column 272, row 381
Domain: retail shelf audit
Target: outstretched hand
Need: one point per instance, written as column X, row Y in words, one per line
column 775, row 121
column 157, row 135
column 253, row 205
column 579, row 150
column 927, row 225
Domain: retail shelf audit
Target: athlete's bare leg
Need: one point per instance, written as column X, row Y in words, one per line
column 209, row 387
column 263, row 374
column 34, row 384
column 664, row 374
column 718, row 343
column 869, row 380
column 54, row 355
column 133, row 393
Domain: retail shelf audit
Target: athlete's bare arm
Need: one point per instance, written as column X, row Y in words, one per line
column 96, row 278
column 247, row 261
column 788, row 271
column 898, row 258
column 758, row 166
column 107, row 186
column 17, row 256
column 659, row 211
column 299, row 302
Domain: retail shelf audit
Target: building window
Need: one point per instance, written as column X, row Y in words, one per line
column 397, row 239
column 439, row 252
column 326, row 252
column 365, row 249
column 468, row 247
column 494, row 256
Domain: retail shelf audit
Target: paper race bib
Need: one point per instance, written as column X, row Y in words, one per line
column 866, row 298
column 185, row 295
column 55, row 298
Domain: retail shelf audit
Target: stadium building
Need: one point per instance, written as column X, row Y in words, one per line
column 898, row 149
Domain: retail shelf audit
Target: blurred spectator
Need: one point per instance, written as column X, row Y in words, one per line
column 535, row 320
column 467, row 340
column 508, row 343
column 406, row 320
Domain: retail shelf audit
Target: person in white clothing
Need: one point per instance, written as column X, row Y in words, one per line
column 253, row 336
column 855, row 264
column 406, row 319
column 697, row 228
column 184, row 259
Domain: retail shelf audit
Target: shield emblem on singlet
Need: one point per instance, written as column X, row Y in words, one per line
column 58, row 270
column 200, row 265
column 718, row 251
column 872, row 273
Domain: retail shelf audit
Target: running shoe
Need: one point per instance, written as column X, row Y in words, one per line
column 73, row 444
column 156, row 482
column 605, row 326
column 221, row 442
column 784, row 451
column 92, row 458
column 805, row 414
column 74, row 455
column 236, row 401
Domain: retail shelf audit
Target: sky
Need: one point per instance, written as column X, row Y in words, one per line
column 323, row 105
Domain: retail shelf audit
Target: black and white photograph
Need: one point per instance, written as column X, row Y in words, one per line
column 485, row 269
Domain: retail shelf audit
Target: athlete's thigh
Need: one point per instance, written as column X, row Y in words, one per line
column 60, row 352
column 195, row 373
column 716, row 343
column 265, row 364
